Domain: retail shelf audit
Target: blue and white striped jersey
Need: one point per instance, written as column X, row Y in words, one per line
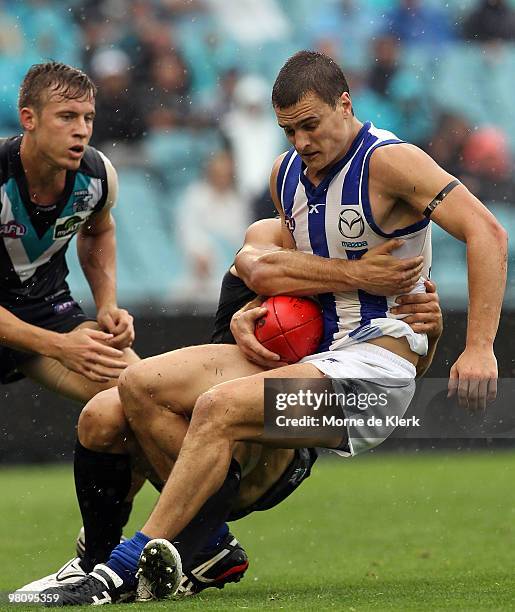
column 334, row 219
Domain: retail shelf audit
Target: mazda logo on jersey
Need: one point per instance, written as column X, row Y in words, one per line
column 351, row 224
column 13, row 229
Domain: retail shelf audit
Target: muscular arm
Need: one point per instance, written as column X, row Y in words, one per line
column 269, row 264
column 268, row 269
column 405, row 172
column 96, row 247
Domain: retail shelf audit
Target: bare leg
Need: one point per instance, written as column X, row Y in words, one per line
column 229, row 412
column 103, row 428
column 270, row 467
column 109, row 471
column 159, row 393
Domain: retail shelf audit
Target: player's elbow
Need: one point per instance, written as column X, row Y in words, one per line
column 258, row 280
column 252, row 271
column 489, row 231
column 243, row 263
column 265, row 277
column 498, row 236
column 501, row 236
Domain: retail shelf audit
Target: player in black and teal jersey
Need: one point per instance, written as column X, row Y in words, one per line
column 54, row 186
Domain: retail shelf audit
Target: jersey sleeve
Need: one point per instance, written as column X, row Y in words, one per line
column 112, row 183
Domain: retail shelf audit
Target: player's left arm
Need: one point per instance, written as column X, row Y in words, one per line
column 406, row 172
column 96, row 248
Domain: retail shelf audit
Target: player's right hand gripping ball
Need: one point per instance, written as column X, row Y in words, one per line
column 293, row 327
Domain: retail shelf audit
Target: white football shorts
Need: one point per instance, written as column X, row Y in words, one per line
column 369, row 370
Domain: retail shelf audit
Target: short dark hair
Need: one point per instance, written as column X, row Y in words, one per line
column 309, row 71
column 71, row 83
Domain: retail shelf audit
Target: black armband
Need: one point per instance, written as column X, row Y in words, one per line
column 434, row 203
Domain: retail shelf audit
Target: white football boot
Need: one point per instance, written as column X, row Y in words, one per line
column 69, row 573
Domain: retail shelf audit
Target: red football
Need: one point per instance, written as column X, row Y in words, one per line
column 292, row 328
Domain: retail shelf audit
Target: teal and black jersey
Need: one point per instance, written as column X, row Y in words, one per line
column 34, row 239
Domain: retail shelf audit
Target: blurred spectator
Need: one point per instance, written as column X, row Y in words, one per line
column 415, row 23
column 392, row 95
column 44, row 23
column 178, row 8
column 370, row 106
column 385, row 64
column 343, row 29
column 168, row 96
column 250, row 22
column 210, row 222
column 448, row 141
column 210, row 54
column 12, row 68
column 254, row 137
column 488, row 166
column 119, row 114
column 222, row 100
column 491, row 20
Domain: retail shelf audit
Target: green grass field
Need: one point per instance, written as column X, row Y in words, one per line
column 383, row 532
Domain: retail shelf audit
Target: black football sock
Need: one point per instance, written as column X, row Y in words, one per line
column 125, row 512
column 210, row 517
column 102, row 482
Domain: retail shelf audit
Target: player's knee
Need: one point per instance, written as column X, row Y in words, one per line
column 102, row 425
column 211, row 414
column 144, row 390
column 134, row 389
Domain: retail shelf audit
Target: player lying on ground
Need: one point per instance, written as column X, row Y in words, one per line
column 55, row 186
column 269, row 475
column 370, row 185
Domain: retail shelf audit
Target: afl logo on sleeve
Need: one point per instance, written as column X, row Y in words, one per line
column 351, row 224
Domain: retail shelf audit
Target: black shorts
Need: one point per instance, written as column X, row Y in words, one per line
column 59, row 313
column 298, row 470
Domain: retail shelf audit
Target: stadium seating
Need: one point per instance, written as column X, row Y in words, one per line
column 148, row 259
column 463, row 77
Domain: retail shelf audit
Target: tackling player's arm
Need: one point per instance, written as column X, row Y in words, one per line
column 423, row 310
column 424, row 317
column 405, row 172
column 96, row 248
column 270, row 268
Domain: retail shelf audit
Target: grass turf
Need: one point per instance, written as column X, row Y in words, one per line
column 383, row 532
